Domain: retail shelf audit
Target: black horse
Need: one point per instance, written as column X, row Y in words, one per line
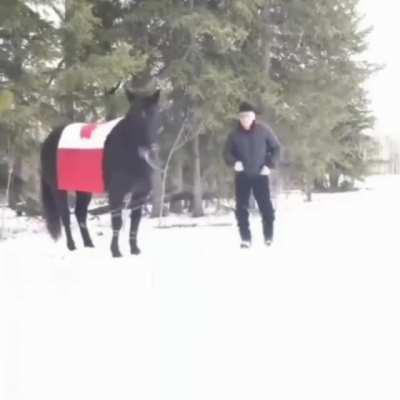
column 126, row 169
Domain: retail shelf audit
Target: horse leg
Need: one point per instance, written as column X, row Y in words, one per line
column 136, row 215
column 81, row 207
column 138, row 199
column 115, row 200
column 63, row 209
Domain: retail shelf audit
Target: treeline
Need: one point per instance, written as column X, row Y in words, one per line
column 301, row 62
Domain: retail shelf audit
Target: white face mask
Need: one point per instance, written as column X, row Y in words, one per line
column 247, row 118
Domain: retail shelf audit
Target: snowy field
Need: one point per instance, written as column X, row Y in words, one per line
column 316, row 316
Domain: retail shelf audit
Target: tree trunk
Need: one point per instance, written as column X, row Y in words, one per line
column 157, row 208
column 308, row 189
column 14, row 185
column 266, row 38
column 176, row 206
column 197, row 188
column 164, row 173
column 334, row 176
column 308, row 195
column 69, row 49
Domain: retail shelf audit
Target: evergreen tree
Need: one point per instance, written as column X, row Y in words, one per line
column 314, row 62
column 26, row 50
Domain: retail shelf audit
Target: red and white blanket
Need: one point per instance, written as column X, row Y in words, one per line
column 80, row 156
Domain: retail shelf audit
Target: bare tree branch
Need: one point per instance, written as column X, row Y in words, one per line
column 54, row 73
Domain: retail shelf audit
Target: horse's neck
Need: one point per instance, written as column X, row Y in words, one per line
column 130, row 126
column 127, row 132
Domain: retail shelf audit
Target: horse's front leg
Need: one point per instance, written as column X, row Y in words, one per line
column 139, row 196
column 136, row 215
column 116, row 222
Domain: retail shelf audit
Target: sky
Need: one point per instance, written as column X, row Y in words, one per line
column 383, row 50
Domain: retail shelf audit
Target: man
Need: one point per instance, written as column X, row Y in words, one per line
column 252, row 150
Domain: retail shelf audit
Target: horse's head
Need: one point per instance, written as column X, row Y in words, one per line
column 144, row 115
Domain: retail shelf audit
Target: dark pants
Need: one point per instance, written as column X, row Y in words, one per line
column 259, row 185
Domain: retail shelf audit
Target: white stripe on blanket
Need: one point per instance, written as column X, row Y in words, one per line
column 71, row 135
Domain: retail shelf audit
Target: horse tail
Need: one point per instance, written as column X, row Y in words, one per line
column 48, row 174
column 50, row 211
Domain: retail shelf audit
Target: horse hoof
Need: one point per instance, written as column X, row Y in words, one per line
column 89, row 245
column 116, row 255
column 71, row 246
column 136, row 251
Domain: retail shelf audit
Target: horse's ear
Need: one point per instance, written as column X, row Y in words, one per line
column 129, row 94
column 109, row 92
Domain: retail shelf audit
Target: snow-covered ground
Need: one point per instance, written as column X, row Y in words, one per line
column 316, row 316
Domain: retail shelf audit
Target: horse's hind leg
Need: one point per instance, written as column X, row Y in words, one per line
column 63, row 209
column 81, row 207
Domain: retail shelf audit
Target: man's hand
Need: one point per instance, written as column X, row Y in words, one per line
column 238, row 167
column 265, row 171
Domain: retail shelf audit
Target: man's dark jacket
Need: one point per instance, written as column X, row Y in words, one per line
column 254, row 148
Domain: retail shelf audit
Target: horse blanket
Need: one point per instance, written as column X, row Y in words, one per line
column 80, row 156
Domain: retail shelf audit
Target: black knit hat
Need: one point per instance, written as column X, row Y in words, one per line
column 245, row 106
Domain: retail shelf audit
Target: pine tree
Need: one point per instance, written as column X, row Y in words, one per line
column 314, row 63
column 27, row 47
column 90, row 62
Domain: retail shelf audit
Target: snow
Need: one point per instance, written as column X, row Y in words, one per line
column 316, row 316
